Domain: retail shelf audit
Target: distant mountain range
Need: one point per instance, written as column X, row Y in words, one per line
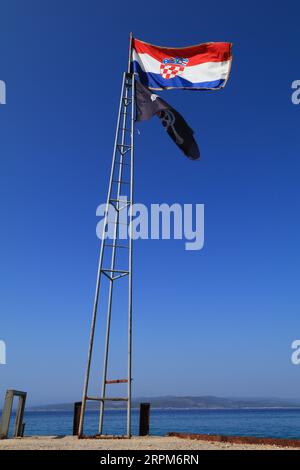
column 186, row 402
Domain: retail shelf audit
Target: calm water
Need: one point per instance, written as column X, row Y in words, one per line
column 271, row 423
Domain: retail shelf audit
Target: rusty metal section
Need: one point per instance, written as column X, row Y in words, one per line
column 238, row 439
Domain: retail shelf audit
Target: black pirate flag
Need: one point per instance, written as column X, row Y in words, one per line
column 148, row 104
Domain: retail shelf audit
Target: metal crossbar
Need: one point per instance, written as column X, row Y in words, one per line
column 123, row 146
column 107, row 398
column 121, row 182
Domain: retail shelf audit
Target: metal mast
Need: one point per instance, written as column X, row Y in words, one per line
column 120, row 197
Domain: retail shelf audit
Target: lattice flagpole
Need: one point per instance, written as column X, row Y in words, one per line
column 123, row 148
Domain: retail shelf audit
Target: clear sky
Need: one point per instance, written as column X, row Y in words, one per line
column 218, row 321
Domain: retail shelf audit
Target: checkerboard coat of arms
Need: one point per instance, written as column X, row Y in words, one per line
column 171, row 67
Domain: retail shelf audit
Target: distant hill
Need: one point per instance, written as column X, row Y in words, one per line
column 186, row 402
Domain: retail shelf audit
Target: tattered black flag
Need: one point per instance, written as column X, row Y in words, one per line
column 148, row 104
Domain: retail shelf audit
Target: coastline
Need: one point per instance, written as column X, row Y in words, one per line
column 254, row 408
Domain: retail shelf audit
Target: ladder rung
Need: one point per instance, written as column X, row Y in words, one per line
column 115, row 270
column 106, row 399
column 114, row 399
column 123, row 152
column 119, row 276
column 119, row 200
column 115, row 277
column 120, row 181
column 119, row 208
column 122, row 163
column 117, row 381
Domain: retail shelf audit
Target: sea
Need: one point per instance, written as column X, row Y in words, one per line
column 280, row 423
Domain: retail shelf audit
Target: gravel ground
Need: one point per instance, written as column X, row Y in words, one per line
column 136, row 443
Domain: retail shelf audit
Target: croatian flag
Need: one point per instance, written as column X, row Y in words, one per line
column 201, row 67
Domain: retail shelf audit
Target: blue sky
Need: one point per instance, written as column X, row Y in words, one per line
column 218, row 321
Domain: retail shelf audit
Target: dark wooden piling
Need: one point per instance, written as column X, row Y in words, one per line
column 144, row 419
column 76, row 419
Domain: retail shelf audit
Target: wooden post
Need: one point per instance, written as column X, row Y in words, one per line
column 76, row 419
column 19, row 425
column 6, row 413
column 144, row 419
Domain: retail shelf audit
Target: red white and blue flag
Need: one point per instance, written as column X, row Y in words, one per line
column 201, row 67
